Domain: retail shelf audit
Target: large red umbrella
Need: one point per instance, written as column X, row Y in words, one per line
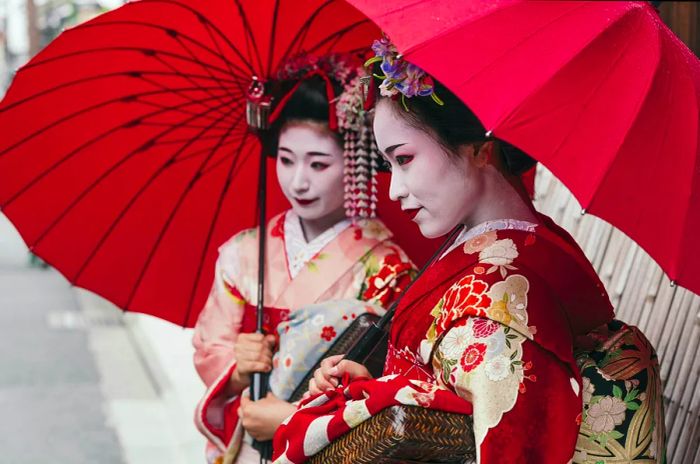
column 602, row 93
column 125, row 157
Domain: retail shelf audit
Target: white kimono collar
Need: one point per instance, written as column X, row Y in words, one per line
column 299, row 252
column 498, row 224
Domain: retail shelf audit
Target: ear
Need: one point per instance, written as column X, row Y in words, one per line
column 480, row 154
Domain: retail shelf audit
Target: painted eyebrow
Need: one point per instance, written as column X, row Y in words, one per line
column 390, row 150
column 310, row 153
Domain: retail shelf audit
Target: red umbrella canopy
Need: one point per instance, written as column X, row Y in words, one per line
column 602, row 93
column 125, row 157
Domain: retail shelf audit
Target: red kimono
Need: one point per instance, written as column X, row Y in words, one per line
column 488, row 330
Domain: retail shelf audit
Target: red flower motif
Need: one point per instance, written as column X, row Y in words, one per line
column 466, row 298
column 387, row 282
column 473, row 356
column 278, row 229
column 358, row 233
column 328, row 333
column 483, row 328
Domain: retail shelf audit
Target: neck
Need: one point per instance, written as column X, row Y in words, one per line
column 312, row 228
column 503, row 200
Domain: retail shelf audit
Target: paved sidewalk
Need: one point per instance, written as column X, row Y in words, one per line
column 75, row 366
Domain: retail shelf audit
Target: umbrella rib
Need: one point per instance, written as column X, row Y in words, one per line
column 187, row 138
column 68, row 156
column 207, row 26
column 214, row 165
column 131, row 74
column 180, row 110
column 195, row 178
column 163, row 167
column 228, row 75
column 95, row 107
column 303, row 30
column 195, row 154
column 189, row 79
column 202, row 18
column 273, row 36
column 250, row 38
column 621, row 51
column 171, row 33
column 194, row 58
column 167, row 124
column 510, row 49
column 212, row 225
column 608, row 170
column 188, row 98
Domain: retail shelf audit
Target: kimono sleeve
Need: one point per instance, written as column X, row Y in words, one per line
column 216, row 330
column 389, row 271
column 215, row 334
column 526, row 401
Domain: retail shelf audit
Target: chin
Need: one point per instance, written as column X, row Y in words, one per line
column 305, row 213
column 432, row 230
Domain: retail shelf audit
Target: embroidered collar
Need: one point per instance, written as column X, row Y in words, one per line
column 299, row 251
column 498, row 224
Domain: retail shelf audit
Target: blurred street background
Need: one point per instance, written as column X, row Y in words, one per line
column 80, row 381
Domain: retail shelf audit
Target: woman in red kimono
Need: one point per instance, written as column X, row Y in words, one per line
column 490, row 328
column 324, row 264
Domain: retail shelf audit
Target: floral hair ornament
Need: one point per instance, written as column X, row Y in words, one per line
column 346, row 115
column 400, row 77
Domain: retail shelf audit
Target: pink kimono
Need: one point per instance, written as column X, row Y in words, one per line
column 351, row 261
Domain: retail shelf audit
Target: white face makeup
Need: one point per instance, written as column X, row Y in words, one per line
column 436, row 189
column 310, row 171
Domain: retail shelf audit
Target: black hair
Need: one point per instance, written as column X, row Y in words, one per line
column 453, row 125
column 308, row 103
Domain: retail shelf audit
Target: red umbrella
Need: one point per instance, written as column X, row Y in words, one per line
column 602, row 93
column 125, row 157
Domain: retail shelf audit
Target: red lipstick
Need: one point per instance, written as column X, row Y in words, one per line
column 303, row 202
column 412, row 212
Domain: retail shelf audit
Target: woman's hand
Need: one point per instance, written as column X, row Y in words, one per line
column 331, row 372
column 253, row 353
column 261, row 418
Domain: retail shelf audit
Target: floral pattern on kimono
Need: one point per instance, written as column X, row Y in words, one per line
column 622, row 420
column 361, row 264
column 492, row 323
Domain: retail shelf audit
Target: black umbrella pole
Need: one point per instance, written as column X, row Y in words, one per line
column 260, row 380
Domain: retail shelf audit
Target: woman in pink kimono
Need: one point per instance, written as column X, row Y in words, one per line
column 324, row 264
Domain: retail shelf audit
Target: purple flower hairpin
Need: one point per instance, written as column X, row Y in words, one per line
column 400, row 77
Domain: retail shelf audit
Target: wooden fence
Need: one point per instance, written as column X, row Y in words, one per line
column 643, row 296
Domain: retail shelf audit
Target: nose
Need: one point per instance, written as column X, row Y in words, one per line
column 300, row 180
column 397, row 186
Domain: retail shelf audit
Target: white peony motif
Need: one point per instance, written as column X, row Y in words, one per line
column 500, row 253
column 455, row 342
column 498, row 368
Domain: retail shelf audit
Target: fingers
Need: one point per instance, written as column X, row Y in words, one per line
column 253, row 353
column 313, row 388
column 351, row 368
column 331, row 361
column 324, row 381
